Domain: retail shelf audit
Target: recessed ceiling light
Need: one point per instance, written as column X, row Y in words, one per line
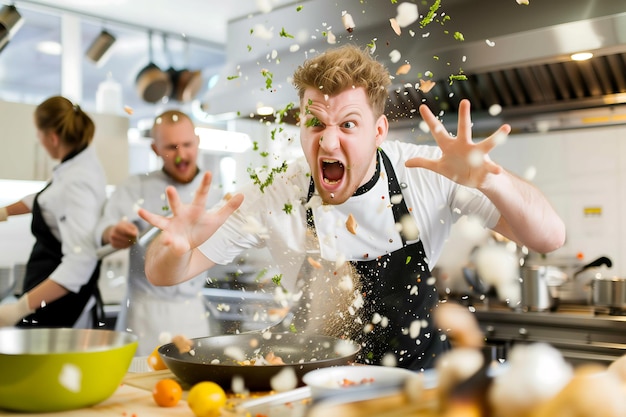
column 581, row 56
column 50, row 48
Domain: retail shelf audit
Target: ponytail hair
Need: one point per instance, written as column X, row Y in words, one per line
column 71, row 124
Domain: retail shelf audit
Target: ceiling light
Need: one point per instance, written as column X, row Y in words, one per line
column 50, row 48
column 264, row 110
column 10, row 23
column 581, row 56
column 99, row 47
column 217, row 140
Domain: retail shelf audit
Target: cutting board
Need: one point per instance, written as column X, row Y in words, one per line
column 126, row 401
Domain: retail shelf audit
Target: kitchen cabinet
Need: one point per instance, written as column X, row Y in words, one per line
column 26, row 159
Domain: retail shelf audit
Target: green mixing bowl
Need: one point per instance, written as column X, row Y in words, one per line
column 47, row 370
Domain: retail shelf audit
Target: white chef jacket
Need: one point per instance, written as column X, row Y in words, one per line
column 149, row 310
column 70, row 207
column 276, row 216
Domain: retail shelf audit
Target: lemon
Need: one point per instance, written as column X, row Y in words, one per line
column 206, row 399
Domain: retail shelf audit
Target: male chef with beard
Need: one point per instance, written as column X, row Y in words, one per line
column 358, row 215
column 155, row 312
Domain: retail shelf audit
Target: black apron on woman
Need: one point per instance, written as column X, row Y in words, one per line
column 397, row 289
column 44, row 259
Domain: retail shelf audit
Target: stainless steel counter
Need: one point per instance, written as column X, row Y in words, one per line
column 578, row 332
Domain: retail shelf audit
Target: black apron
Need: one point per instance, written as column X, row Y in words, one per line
column 397, row 289
column 44, row 259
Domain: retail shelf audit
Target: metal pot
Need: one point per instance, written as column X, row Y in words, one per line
column 609, row 292
column 540, row 287
column 211, row 360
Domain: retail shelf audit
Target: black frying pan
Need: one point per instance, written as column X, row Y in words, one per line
column 302, row 353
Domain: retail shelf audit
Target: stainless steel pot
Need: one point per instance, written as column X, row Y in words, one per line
column 540, row 287
column 609, row 292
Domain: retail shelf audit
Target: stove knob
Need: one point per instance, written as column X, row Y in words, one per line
column 523, row 332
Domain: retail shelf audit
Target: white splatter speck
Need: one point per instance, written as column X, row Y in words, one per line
column 396, row 199
column 70, row 377
column 395, row 56
column 407, row 14
column 235, row 352
column 490, row 43
column 284, row 380
column 530, row 173
column 495, row 109
column 475, row 158
column 165, row 337
column 414, row 329
column 389, row 360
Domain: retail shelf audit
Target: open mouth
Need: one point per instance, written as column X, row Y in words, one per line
column 332, row 171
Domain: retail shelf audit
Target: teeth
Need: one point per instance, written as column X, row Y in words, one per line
column 327, row 181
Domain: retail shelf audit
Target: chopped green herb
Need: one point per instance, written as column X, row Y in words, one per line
column 165, row 208
column 261, row 274
column 264, row 154
column 277, row 278
column 292, row 328
column 255, row 146
column 457, row 77
column 431, row 14
column 459, row 36
column 283, row 34
column 408, row 259
column 268, row 78
column 270, row 177
column 232, row 77
column 299, row 8
column 178, row 159
column 312, row 122
column 288, row 208
column 249, row 48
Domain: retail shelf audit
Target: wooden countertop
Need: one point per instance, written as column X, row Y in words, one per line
column 133, row 398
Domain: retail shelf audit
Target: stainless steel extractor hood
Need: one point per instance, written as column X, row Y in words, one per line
column 514, row 56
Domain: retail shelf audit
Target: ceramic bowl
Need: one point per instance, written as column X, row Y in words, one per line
column 340, row 380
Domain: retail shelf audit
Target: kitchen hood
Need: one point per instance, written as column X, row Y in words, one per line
column 513, row 56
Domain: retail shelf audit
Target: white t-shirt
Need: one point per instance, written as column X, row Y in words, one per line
column 276, row 216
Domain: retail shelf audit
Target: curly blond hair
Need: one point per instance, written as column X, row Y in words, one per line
column 344, row 67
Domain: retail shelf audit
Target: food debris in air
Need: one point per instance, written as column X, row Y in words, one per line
column 426, row 85
column 395, row 56
column 495, row 109
column 395, row 26
column 332, row 195
column 129, row 110
column 183, row 344
column 315, row 264
column 351, row 224
column 348, row 22
column 403, row 69
column 407, row 14
column 70, row 377
column 284, row 380
column 331, row 38
column 523, row 2
column 490, row 43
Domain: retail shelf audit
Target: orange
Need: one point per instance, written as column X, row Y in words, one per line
column 206, row 399
column 167, row 393
column 155, row 362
